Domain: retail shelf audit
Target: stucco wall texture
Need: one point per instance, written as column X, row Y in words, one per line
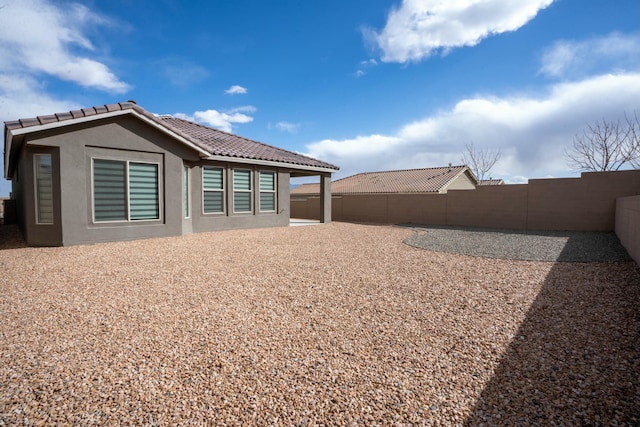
column 628, row 224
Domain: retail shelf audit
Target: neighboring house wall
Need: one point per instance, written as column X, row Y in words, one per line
column 463, row 182
column 628, row 224
column 581, row 204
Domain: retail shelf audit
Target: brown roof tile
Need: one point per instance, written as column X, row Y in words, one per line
column 29, row 122
column 47, row 119
column 64, row 116
column 220, row 143
column 89, row 111
column 13, row 124
column 77, row 114
column 428, row 180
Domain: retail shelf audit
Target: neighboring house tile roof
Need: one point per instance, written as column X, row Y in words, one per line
column 491, row 182
column 213, row 142
column 428, row 180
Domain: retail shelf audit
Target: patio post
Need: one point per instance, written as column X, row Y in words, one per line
column 325, row 198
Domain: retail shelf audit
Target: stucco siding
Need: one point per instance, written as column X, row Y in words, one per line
column 75, row 150
column 201, row 221
column 463, row 182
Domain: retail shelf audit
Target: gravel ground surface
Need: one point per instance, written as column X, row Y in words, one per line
column 563, row 246
column 337, row 324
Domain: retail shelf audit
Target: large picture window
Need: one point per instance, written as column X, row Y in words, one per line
column 213, row 190
column 125, row 191
column 267, row 191
column 241, row 190
column 44, row 189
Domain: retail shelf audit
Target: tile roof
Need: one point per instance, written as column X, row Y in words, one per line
column 212, row 141
column 428, row 180
column 491, row 182
column 220, row 143
column 75, row 114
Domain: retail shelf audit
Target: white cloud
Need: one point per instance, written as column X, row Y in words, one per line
column 530, row 131
column 221, row 120
column 23, row 97
column 288, row 127
column 361, row 146
column 568, row 58
column 50, row 43
column 236, row 90
column 419, row 28
column 365, row 65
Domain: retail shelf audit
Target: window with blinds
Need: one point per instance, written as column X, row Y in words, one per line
column 125, row 191
column 213, row 190
column 241, row 190
column 267, row 191
column 143, row 191
column 44, row 189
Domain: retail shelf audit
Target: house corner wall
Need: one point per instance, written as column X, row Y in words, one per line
column 628, row 224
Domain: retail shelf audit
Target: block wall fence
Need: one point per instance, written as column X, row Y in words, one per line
column 587, row 203
column 628, row 224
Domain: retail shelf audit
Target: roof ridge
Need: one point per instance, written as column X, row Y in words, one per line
column 62, row 116
column 413, row 169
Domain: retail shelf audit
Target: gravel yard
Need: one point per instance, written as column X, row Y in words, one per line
column 337, row 324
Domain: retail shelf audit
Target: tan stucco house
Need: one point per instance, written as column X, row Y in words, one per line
column 118, row 172
column 436, row 180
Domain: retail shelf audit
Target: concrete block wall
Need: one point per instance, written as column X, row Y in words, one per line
column 627, row 226
column 488, row 206
column 587, row 203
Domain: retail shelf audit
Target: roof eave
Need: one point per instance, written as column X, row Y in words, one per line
column 8, row 141
column 271, row 163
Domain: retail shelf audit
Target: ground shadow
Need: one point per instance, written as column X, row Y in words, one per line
column 575, row 359
column 11, row 237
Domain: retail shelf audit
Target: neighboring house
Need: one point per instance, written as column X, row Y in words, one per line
column 118, row 172
column 429, row 180
column 491, row 181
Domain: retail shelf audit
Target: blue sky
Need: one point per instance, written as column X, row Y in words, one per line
column 367, row 85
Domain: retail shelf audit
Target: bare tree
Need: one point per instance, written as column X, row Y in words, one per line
column 480, row 161
column 606, row 146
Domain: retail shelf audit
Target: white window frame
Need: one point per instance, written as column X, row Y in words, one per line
column 222, row 190
column 128, row 220
column 274, row 191
column 250, row 191
column 35, row 189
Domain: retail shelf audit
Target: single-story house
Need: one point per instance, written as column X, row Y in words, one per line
column 118, row 172
column 427, row 180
